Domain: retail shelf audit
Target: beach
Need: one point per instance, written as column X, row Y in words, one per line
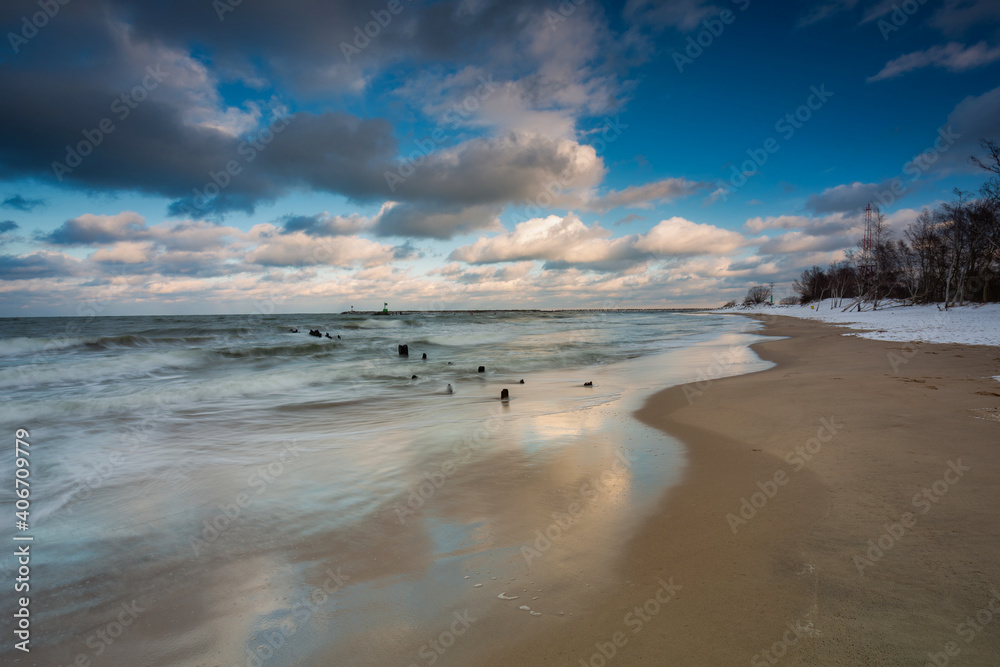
column 796, row 496
column 869, row 531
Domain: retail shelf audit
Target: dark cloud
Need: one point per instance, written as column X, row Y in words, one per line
column 7, row 225
column 493, row 170
column 325, row 225
column 19, row 203
column 972, row 119
column 297, row 43
column 174, row 145
column 947, row 149
column 849, row 198
column 407, row 251
column 434, row 221
column 185, row 142
column 156, row 152
column 37, row 265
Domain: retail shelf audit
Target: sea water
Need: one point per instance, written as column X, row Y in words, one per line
column 219, row 472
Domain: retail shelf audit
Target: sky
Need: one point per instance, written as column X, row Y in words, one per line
column 239, row 156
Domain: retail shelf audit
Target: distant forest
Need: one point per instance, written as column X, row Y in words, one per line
column 948, row 255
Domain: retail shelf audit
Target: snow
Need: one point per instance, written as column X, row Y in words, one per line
column 966, row 325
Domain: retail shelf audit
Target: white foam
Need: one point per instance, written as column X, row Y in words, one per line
column 503, row 596
column 18, row 346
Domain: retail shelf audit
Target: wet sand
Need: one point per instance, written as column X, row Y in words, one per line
column 875, row 540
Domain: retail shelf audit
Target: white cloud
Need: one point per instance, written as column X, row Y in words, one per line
column 126, row 252
column 678, row 236
column 564, row 241
column 298, row 249
column 954, row 57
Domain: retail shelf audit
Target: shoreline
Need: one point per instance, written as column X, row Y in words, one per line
column 875, row 423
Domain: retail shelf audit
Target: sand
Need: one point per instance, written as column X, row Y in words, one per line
column 883, row 548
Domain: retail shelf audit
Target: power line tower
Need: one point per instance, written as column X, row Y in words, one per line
column 866, row 263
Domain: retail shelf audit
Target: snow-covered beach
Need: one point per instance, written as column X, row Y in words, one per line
column 929, row 323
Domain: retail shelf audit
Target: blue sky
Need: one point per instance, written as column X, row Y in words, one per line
column 215, row 157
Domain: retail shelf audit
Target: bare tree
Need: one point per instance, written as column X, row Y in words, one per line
column 757, row 295
column 812, row 285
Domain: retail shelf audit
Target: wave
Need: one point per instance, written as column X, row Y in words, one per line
column 24, row 346
column 291, row 350
column 15, row 347
column 94, row 370
column 381, row 323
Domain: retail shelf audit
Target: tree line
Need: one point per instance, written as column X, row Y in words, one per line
column 949, row 255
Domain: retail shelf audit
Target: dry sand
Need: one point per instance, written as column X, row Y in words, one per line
column 791, row 581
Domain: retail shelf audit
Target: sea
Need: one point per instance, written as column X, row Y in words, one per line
column 224, row 490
